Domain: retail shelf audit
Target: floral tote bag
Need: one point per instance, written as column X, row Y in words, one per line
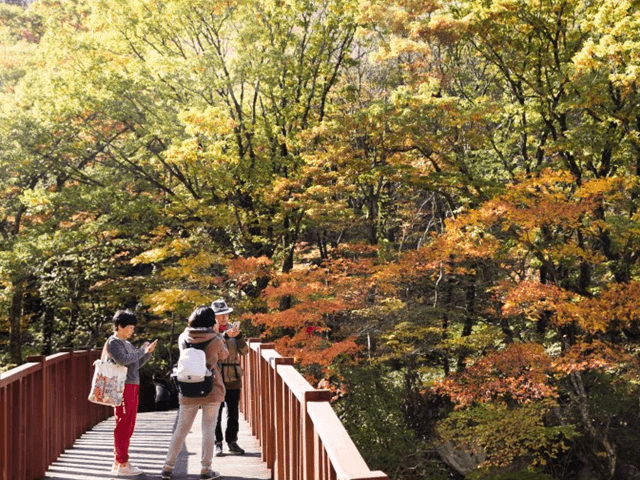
column 107, row 386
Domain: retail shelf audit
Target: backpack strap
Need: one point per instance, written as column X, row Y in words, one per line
column 199, row 346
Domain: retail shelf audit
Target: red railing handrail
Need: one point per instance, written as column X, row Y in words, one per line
column 301, row 436
column 17, row 373
column 47, row 395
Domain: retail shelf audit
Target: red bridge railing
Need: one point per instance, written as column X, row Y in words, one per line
column 301, row 436
column 43, row 410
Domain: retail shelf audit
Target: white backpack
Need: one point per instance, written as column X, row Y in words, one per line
column 192, row 365
column 191, row 375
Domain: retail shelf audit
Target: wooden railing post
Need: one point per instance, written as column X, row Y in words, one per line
column 57, row 403
column 68, row 422
column 40, row 414
column 82, row 385
column 17, row 429
column 264, row 410
column 279, row 413
column 250, row 387
column 311, row 448
column 4, row 433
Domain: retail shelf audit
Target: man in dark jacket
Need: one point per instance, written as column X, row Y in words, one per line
column 232, row 376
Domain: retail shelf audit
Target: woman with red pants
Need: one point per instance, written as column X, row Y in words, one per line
column 124, row 353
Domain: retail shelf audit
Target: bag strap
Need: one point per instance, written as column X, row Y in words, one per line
column 199, row 346
column 104, row 355
column 235, row 367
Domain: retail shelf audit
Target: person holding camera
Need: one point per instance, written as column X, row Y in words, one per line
column 124, row 353
column 232, row 376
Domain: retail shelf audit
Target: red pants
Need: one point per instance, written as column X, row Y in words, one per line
column 125, row 422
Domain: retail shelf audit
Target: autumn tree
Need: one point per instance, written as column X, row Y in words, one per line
column 538, row 160
column 56, row 200
column 436, row 197
column 236, row 93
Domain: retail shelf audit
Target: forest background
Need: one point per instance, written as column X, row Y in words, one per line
column 432, row 205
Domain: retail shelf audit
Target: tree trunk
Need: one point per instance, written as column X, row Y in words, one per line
column 72, row 328
column 605, row 461
column 15, row 315
column 470, row 307
column 322, row 244
column 47, row 331
column 292, row 231
column 448, row 301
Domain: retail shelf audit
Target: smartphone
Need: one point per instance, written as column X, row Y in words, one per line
column 236, row 325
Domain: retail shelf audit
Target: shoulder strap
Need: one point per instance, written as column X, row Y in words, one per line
column 199, row 346
column 104, row 355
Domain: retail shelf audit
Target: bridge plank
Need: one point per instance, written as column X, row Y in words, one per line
column 92, row 454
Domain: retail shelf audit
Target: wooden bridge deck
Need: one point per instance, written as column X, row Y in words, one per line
column 92, row 454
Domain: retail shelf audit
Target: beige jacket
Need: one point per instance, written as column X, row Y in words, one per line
column 216, row 352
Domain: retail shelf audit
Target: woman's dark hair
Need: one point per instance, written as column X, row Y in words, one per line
column 124, row 318
column 202, row 317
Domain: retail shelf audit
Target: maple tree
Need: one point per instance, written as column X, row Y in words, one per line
column 434, row 200
column 544, row 196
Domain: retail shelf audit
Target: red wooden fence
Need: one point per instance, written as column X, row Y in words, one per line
column 43, row 410
column 300, row 434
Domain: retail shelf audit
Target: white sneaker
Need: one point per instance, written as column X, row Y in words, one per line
column 128, row 470
column 115, row 469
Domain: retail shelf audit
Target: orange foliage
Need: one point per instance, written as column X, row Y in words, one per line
column 595, row 355
column 519, row 216
column 302, row 300
column 536, row 201
column 520, row 372
column 247, row 270
column 531, row 298
column 313, row 293
column 299, row 316
column 312, row 349
column 618, row 306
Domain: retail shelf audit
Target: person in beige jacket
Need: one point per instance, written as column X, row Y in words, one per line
column 202, row 328
column 232, row 376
